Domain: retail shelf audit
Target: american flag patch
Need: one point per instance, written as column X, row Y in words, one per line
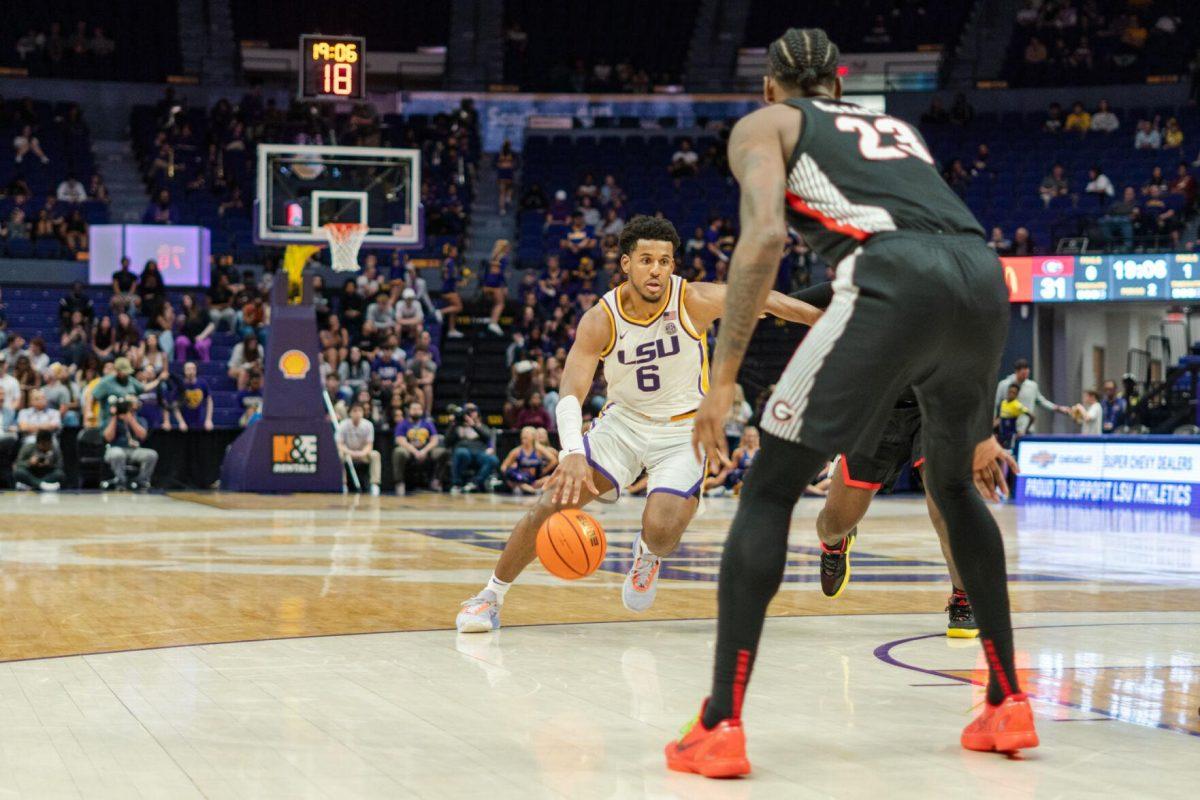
column 669, row 315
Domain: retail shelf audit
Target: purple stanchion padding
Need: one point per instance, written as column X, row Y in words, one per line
column 291, row 447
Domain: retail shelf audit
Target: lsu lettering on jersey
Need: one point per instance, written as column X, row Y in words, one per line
column 657, row 367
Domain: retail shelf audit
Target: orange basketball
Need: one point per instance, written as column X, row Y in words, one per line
column 571, row 544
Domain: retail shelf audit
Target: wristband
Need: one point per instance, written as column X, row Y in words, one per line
column 569, row 415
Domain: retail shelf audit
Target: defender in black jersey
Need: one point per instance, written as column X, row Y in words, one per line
column 919, row 300
column 863, row 472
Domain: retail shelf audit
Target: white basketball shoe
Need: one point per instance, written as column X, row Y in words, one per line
column 641, row 583
column 480, row 614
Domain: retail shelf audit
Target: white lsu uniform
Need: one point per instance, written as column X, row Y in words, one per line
column 657, row 373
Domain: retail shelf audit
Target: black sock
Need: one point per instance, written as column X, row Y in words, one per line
column 752, row 565
column 978, row 553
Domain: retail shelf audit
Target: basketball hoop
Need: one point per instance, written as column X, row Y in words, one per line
column 345, row 238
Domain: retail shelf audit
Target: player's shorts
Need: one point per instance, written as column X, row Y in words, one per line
column 921, row 309
column 621, row 443
column 899, row 446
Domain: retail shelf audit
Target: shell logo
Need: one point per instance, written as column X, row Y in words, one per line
column 294, row 364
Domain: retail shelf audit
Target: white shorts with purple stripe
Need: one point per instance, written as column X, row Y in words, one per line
column 621, row 443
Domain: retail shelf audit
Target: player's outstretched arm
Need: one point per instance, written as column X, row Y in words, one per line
column 594, row 337
column 705, row 302
column 756, row 158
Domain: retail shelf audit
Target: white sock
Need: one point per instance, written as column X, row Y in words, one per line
column 497, row 586
column 643, row 550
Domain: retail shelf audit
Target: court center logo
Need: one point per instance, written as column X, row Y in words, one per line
column 294, row 454
column 294, row 364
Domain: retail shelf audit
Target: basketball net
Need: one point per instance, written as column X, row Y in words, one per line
column 345, row 238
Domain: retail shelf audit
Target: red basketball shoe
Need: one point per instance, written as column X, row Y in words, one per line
column 1005, row 728
column 716, row 753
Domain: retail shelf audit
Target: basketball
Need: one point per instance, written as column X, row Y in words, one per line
column 571, row 544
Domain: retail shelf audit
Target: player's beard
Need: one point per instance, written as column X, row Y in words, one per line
column 648, row 298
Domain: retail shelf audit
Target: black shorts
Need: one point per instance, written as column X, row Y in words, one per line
column 909, row 309
column 899, row 446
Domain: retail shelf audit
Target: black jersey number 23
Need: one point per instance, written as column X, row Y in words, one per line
column 871, row 133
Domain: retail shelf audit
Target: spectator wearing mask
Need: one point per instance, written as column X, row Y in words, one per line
column 418, row 445
column 39, row 464
column 195, row 409
column 1089, row 414
column 38, row 416
column 1028, row 393
column 473, row 447
column 356, row 445
column 1104, row 120
column 124, row 433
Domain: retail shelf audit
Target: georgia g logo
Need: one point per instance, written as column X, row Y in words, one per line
column 294, row 364
column 782, row 410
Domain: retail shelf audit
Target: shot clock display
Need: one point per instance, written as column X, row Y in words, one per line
column 1087, row 278
column 332, row 67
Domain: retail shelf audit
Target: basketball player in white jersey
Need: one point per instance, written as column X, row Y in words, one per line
column 650, row 334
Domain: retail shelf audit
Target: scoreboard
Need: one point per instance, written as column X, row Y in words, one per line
column 1087, row 278
column 332, row 67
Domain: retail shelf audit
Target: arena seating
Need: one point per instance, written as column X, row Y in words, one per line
column 33, row 311
column 232, row 232
column 145, row 35
column 1022, row 154
column 68, row 146
column 389, row 28
column 909, row 24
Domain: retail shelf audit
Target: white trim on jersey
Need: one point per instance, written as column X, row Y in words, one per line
column 784, row 416
column 808, row 182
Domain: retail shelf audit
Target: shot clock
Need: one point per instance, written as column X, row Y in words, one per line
column 332, row 67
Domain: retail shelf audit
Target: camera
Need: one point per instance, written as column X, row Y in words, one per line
column 120, row 405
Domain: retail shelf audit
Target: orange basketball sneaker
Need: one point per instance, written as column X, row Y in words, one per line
column 1004, row 728
column 716, row 753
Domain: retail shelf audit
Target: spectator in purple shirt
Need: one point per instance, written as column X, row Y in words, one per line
column 250, row 398
column 418, row 444
column 195, row 401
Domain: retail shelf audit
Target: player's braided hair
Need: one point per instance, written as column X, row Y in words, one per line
column 802, row 58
